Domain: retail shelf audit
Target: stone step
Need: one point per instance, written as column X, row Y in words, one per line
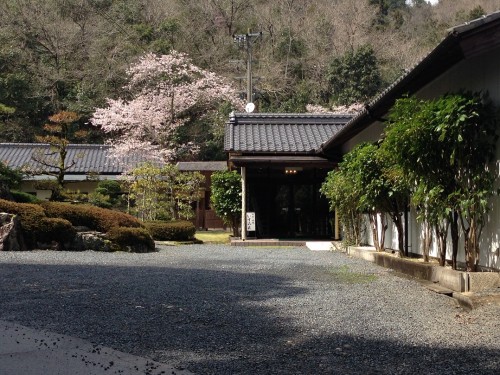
column 319, row 245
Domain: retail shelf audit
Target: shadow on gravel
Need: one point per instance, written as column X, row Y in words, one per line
column 210, row 322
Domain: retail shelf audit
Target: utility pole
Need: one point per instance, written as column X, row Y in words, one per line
column 246, row 41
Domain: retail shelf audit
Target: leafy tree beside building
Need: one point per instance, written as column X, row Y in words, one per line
column 226, row 197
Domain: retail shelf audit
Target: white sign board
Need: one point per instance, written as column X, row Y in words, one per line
column 250, row 221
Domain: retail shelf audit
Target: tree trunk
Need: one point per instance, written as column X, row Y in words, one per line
column 427, row 240
column 401, row 235
column 471, row 247
column 372, row 216
column 454, row 239
column 234, row 225
column 383, row 224
column 441, row 233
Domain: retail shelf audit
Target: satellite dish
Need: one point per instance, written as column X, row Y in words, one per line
column 250, row 107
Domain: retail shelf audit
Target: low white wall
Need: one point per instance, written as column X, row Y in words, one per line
column 489, row 249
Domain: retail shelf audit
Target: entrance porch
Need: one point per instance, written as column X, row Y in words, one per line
column 287, row 203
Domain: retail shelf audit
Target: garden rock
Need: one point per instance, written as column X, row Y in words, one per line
column 135, row 248
column 11, row 238
column 89, row 241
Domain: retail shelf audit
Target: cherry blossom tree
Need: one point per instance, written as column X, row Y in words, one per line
column 165, row 92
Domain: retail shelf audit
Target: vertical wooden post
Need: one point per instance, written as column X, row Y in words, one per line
column 243, row 203
column 337, row 229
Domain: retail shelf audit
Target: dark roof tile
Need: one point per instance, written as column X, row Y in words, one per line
column 281, row 132
column 87, row 158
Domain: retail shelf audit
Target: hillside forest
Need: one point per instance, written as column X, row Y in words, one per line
column 76, row 55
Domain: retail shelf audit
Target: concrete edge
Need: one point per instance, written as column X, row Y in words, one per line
column 458, row 281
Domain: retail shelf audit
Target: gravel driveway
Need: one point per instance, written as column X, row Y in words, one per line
column 225, row 310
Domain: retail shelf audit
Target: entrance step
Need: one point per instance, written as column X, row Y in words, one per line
column 270, row 242
column 319, row 245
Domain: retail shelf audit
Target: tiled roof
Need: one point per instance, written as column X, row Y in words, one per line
column 88, row 158
column 278, row 132
column 202, row 165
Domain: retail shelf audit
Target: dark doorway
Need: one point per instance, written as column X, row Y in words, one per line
column 288, row 206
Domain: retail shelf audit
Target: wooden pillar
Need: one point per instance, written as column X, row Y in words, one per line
column 337, row 228
column 243, row 203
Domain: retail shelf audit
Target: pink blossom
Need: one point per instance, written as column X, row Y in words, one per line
column 161, row 88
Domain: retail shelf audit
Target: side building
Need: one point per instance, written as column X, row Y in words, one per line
column 90, row 164
column 468, row 59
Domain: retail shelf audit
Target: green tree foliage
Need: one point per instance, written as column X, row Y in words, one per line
column 107, row 194
column 10, row 177
column 73, row 54
column 445, row 147
column 60, row 130
column 465, row 16
column 365, row 169
column 340, row 190
column 354, row 77
column 386, row 9
column 163, row 193
column 368, row 182
column 226, row 197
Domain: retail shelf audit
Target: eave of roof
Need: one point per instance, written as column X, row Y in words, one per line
column 202, row 166
column 453, row 48
column 280, row 160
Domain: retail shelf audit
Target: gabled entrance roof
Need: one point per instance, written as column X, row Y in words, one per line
column 281, row 133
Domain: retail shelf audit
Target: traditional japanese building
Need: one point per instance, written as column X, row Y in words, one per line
column 282, row 171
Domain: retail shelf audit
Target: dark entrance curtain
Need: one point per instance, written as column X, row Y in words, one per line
column 288, row 206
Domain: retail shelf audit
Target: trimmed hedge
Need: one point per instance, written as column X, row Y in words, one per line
column 30, row 215
column 22, row 197
column 95, row 218
column 55, row 229
column 171, row 230
column 136, row 240
column 38, row 228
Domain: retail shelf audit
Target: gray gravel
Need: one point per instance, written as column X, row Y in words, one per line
column 225, row 310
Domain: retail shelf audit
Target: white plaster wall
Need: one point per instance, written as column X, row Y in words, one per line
column 370, row 134
column 481, row 73
column 82, row 186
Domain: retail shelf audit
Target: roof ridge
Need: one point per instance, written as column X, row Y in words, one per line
column 37, row 144
column 292, row 115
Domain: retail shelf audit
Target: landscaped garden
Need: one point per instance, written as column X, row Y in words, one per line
column 157, row 201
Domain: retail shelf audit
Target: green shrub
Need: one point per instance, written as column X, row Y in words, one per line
column 11, row 177
column 100, row 200
column 22, row 197
column 95, row 218
column 171, row 230
column 131, row 240
column 55, row 229
column 110, row 189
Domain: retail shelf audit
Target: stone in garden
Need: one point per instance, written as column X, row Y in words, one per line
column 89, row 241
column 11, row 238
